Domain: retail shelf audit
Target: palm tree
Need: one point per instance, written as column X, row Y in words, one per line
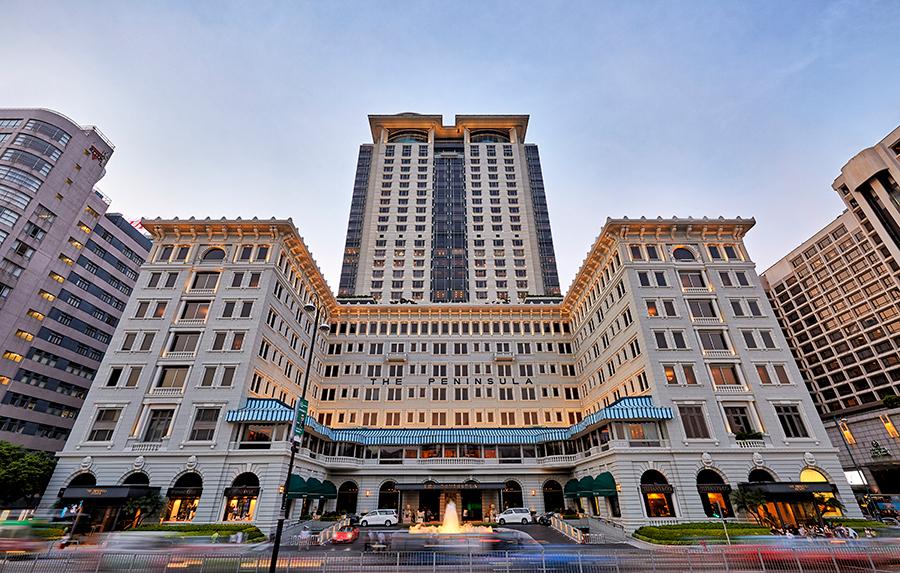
column 751, row 502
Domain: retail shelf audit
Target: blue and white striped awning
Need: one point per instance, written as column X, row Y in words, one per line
column 262, row 410
column 267, row 410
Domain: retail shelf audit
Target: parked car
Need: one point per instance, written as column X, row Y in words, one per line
column 544, row 518
column 515, row 515
column 345, row 534
column 379, row 517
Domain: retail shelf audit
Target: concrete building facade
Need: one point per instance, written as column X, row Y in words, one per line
column 837, row 297
column 67, row 270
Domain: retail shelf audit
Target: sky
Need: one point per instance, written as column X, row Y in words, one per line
column 255, row 108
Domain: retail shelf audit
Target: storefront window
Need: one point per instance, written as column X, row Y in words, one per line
column 182, row 509
column 241, row 498
column 658, row 505
column 657, row 494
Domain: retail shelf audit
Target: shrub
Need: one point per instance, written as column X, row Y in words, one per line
column 688, row 533
column 251, row 532
column 892, row 401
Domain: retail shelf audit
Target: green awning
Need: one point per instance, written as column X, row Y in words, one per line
column 586, row 487
column 605, row 485
column 571, row 488
column 313, row 488
column 328, row 490
column 296, row 487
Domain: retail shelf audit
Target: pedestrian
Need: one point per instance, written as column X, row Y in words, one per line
column 305, row 538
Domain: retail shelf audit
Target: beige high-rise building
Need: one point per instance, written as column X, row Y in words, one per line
column 837, row 297
column 448, row 213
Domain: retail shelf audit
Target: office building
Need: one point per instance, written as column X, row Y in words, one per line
column 657, row 385
column 837, row 297
column 66, row 272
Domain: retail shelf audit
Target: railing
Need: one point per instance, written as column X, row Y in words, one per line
column 340, row 461
column 750, row 444
column 451, row 461
column 696, row 290
column 730, row 388
column 168, row 391
column 718, row 353
column 190, row 321
column 328, row 533
column 201, row 291
column 561, row 460
column 569, row 531
column 504, row 356
column 706, row 320
column 179, row 354
column 140, row 446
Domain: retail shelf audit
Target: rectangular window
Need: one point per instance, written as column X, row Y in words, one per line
column 738, row 418
column 694, row 422
column 172, row 377
column 158, row 425
column 791, row 421
column 104, row 425
column 204, row 424
column 724, row 374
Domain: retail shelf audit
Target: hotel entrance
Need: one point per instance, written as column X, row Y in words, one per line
column 471, row 504
column 469, row 496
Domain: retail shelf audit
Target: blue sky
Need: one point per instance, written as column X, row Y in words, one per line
column 640, row 108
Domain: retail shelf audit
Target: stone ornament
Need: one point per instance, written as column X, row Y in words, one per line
column 87, row 462
column 809, row 459
column 191, row 462
column 757, row 459
column 138, row 462
column 706, row 459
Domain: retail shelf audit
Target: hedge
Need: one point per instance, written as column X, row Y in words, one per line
column 251, row 532
column 49, row 533
column 688, row 533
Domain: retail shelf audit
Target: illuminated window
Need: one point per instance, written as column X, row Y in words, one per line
column 48, row 296
column 66, row 259
column 889, row 426
column 57, row 277
column 845, row 430
column 25, row 335
column 12, row 356
column 84, row 227
column 35, row 314
column 4, row 380
column 75, row 243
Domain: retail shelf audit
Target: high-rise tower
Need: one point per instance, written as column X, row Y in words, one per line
column 449, row 213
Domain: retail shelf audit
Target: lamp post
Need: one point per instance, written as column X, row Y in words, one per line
column 295, row 434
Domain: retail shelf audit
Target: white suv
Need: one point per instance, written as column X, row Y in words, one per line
column 379, row 517
column 514, row 515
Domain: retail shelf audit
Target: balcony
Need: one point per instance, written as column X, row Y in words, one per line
column 730, row 388
column 706, row 320
column 396, row 357
column 200, row 291
column 563, row 460
column 167, row 391
column 718, row 353
column 697, row 290
column 750, row 444
column 504, row 356
column 190, row 321
column 136, row 445
column 451, row 461
column 179, row 354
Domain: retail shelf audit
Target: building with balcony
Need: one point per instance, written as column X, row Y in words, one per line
column 657, row 385
column 837, row 297
column 67, row 269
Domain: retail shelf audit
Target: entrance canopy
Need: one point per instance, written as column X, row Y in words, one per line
column 107, row 492
column 449, row 485
column 603, row 485
column 298, row 487
column 788, row 487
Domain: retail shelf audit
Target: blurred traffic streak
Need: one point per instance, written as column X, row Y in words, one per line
column 17, row 538
column 848, row 557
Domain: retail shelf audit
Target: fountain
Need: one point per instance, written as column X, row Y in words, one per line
column 450, row 525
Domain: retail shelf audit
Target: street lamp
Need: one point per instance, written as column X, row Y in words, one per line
column 295, row 439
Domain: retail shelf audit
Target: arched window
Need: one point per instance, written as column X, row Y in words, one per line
column 214, row 255
column 809, row 475
column 347, row 496
column 137, row 478
column 553, row 496
column 83, row 480
column 682, row 254
column 829, row 506
column 657, row 494
column 512, row 495
column 183, row 498
column 714, row 494
column 389, row 496
column 760, row 475
column 241, row 497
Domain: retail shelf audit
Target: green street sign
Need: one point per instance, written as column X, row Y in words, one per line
column 300, row 419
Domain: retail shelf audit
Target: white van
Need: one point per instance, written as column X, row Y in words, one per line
column 379, row 517
column 514, row 515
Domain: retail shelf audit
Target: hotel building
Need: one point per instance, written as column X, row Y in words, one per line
column 67, row 268
column 837, row 297
column 655, row 386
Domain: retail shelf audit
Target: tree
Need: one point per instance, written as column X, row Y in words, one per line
column 829, row 504
column 141, row 507
column 23, row 474
column 751, row 502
